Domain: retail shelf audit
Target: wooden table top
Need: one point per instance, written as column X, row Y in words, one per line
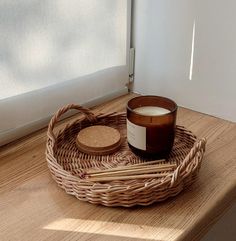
column 33, row 207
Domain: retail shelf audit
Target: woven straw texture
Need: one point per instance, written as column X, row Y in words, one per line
column 66, row 163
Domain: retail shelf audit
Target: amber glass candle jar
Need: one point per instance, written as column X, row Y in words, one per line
column 151, row 124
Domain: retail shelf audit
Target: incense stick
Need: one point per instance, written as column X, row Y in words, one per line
column 136, row 171
column 143, row 164
column 118, row 178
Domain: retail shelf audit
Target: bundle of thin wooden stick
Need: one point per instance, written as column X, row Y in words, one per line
column 151, row 169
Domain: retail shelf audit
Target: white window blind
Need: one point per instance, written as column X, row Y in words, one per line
column 55, row 52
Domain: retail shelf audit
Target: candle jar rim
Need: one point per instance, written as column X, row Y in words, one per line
column 156, row 97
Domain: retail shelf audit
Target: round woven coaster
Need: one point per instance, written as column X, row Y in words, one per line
column 98, row 140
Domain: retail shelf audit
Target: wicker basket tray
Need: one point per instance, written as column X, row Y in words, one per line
column 66, row 163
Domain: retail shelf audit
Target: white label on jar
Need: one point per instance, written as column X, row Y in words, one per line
column 136, row 135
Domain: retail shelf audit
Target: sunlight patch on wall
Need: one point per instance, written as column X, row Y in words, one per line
column 192, row 53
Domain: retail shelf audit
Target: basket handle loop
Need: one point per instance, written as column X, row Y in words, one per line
column 88, row 114
column 199, row 145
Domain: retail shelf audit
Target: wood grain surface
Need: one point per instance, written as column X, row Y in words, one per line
column 33, row 207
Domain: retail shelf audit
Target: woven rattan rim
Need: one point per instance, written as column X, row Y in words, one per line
column 66, row 163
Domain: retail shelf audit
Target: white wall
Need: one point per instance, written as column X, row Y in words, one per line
column 162, row 36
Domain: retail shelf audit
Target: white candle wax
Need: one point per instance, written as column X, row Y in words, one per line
column 151, row 110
